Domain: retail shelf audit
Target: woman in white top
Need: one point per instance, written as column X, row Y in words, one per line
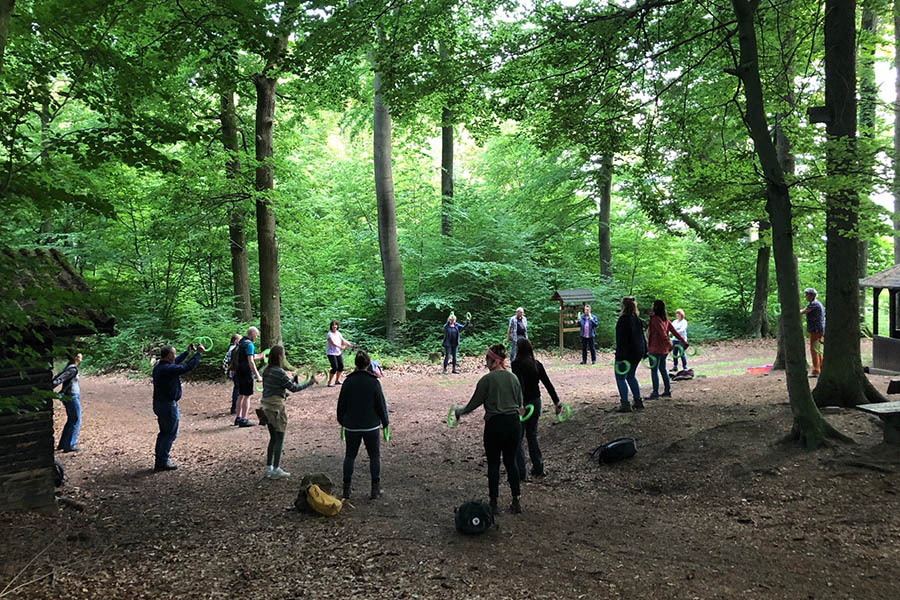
column 335, row 344
column 680, row 325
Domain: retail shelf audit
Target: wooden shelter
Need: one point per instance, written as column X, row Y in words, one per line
column 885, row 350
column 571, row 302
column 43, row 303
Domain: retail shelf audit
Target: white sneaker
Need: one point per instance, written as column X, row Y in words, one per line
column 279, row 473
column 268, row 471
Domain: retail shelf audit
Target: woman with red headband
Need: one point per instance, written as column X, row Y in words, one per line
column 500, row 393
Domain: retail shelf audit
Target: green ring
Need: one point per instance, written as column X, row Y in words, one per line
column 265, row 352
column 259, row 387
column 625, row 370
column 528, row 413
column 652, row 361
column 692, row 351
column 819, row 347
column 343, row 437
column 565, row 414
column 468, row 316
column 205, row 337
column 386, row 432
column 677, row 351
column 450, row 412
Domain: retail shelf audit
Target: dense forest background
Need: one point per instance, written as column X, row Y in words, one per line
column 200, row 160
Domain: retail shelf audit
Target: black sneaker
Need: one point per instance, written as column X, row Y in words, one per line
column 246, row 423
column 654, row 396
column 237, row 421
column 515, row 508
column 494, row 509
column 72, row 449
column 638, row 405
column 165, row 467
column 376, row 491
column 346, row 494
column 666, row 395
column 538, row 473
column 624, row 408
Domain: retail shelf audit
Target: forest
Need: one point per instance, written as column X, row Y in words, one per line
column 211, row 165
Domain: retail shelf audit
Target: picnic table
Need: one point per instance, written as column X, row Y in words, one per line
column 889, row 413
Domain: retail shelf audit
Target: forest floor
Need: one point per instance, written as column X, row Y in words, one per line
column 712, row 506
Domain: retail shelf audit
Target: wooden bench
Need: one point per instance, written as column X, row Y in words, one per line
column 889, row 413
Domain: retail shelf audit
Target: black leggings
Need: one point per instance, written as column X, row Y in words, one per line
column 276, row 444
column 337, row 363
column 372, row 439
column 529, row 431
column 501, row 437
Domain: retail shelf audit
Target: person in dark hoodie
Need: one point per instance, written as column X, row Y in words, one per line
column 362, row 412
column 452, row 329
column 166, row 394
column 631, row 348
column 69, row 394
column 531, row 373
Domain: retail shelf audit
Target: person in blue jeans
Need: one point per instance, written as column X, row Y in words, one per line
column 69, row 394
column 631, row 347
column 587, row 323
column 166, row 394
column 452, row 330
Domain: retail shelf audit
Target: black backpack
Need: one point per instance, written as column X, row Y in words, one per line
column 239, row 356
column 473, row 517
column 615, row 451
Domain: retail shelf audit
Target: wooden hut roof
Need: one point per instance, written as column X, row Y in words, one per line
column 888, row 279
column 42, row 293
column 576, row 296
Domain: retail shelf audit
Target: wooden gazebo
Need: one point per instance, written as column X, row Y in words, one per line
column 885, row 350
column 45, row 303
column 570, row 303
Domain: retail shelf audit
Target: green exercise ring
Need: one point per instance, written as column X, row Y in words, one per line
column 819, row 347
column 693, row 351
column 207, row 346
column 677, row 351
column 386, row 432
column 343, row 437
column 652, row 361
column 528, row 413
column 259, row 387
column 450, row 422
column 565, row 414
column 625, row 363
column 468, row 316
column 265, row 352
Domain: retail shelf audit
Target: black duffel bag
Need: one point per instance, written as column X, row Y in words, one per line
column 615, row 451
column 473, row 517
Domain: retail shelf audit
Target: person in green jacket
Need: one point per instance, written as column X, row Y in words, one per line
column 272, row 413
column 501, row 395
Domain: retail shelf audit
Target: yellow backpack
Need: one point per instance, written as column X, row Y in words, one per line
column 322, row 502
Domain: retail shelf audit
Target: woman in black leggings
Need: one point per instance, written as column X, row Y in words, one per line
column 500, row 393
column 276, row 385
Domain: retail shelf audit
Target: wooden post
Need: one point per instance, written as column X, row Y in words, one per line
column 875, row 293
column 561, row 311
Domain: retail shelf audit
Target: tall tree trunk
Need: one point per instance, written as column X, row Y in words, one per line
column 6, row 8
column 809, row 425
column 842, row 381
column 240, row 274
column 394, row 294
column 269, row 287
column 446, row 170
column 446, row 160
column 896, row 186
column 604, row 207
column 868, row 102
column 46, row 214
column 759, row 315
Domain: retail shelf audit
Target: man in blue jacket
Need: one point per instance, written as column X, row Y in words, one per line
column 588, row 325
column 166, row 394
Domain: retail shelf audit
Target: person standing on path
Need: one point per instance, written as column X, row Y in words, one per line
column 531, row 373
column 226, row 366
column 659, row 346
column 334, row 350
column 631, row 347
column 588, row 325
column 518, row 328
column 362, row 412
column 815, row 327
column 276, row 385
column 680, row 324
column 70, row 395
column 501, row 395
column 452, row 330
column 246, row 373
column 166, row 394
